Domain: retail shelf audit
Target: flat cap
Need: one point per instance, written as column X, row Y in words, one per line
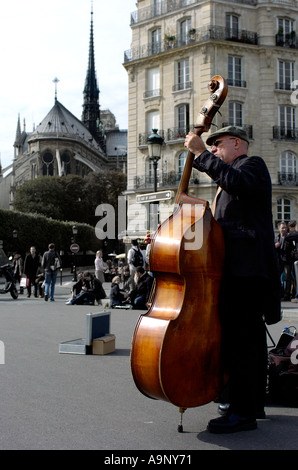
column 229, row 130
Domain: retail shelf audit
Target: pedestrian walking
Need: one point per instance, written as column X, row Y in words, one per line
column 51, row 262
column 31, row 266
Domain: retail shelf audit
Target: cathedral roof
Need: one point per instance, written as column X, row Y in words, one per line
column 59, row 121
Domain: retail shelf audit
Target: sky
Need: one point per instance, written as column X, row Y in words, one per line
column 44, row 39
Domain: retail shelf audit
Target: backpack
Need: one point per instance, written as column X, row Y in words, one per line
column 283, row 370
column 138, row 259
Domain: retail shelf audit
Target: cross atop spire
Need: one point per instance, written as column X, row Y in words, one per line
column 56, row 81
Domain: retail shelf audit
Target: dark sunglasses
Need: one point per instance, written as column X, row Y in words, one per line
column 216, row 143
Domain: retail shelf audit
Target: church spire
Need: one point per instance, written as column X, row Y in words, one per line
column 18, row 132
column 91, row 108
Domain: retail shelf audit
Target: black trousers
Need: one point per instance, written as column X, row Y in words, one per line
column 244, row 346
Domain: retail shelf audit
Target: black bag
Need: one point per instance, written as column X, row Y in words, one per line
column 138, row 259
column 283, row 370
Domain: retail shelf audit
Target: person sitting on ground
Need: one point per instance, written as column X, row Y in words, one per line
column 116, row 296
column 139, row 296
column 91, row 290
column 128, row 283
column 77, row 287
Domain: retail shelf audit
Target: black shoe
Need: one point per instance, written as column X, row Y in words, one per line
column 46, row 297
column 231, row 423
column 223, row 409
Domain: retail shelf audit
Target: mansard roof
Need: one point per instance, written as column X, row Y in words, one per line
column 61, row 122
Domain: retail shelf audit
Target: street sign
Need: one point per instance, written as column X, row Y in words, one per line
column 158, row 196
column 74, row 248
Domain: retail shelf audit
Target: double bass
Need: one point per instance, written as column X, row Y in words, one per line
column 175, row 354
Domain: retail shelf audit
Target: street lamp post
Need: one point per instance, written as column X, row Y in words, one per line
column 15, row 236
column 74, row 232
column 155, row 142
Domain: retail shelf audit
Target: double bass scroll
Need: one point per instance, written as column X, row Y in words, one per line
column 219, row 89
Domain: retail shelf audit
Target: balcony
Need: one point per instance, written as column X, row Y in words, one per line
column 165, row 180
column 285, row 133
column 286, row 40
column 217, row 33
column 235, row 82
column 152, row 93
column 285, row 86
column 168, row 6
column 287, row 179
column 171, row 135
column 177, row 133
column 182, row 86
column 143, row 138
column 160, row 8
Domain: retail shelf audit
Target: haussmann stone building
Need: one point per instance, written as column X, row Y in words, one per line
column 177, row 46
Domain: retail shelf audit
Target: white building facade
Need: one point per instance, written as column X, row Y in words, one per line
column 177, row 46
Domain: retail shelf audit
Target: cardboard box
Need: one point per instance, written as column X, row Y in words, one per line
column 103, row 345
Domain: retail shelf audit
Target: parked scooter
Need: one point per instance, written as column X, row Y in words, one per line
column 6, row 270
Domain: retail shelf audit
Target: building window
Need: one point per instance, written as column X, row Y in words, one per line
column 286, row 116
column 182, row 75
column 153, row 83
column 232, row 26
column 33, row 170
column 285, row 75
column 65, row 161
column 287, row 162
column 150, row 172
column 235, row 113
column 286, row 35
column 159, row 7
column 284, row 28
column 152, row 121
column 48, row 164
column 180, row 163
column 235, row 71
column 182, row 120
column 156, row 41
column 287, row 168
column 284, row 210
column 184, row 28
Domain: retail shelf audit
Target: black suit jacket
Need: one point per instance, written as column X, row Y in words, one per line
column 244, row 210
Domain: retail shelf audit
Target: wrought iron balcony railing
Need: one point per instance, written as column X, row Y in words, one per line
column 284, row 86
column 152, row 93
column 177, row 133
column 172, row 134
column 165, row 180
column 217, row 33
column 286, row 40
column 143, row 138
column 285, row 133
column 235, row 82
column 182, row 86
column 287, row 179
column 167, row 6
